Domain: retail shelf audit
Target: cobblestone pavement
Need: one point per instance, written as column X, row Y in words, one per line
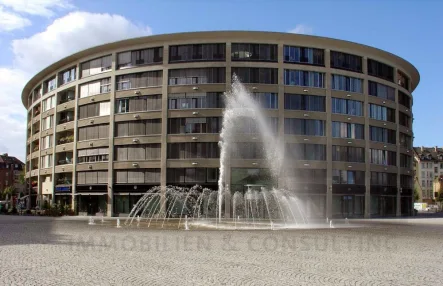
column 47, row 251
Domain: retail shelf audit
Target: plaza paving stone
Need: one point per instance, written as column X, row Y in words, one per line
column 48, row 251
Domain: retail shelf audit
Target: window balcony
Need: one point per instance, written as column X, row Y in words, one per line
column 66, row 139
column 67, row 96
column 64, row 181
column 64, row 161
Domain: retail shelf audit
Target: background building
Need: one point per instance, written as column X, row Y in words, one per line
column 10, row 170
column 428, row 169
column 108, row 123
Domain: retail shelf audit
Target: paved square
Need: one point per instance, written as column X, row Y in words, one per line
column 48, row 251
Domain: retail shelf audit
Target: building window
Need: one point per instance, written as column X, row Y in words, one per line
column 139, row 80
column 49, row 85
column 381, row 90
column 141, row 176
column 46, row 161
column 138, row 128
column 47, row 122
column 404, row 99
column 406, row 161
column 197, row 52
column 404, row 119
column 94, row 109
column 197, row 76
column 195, row 150
column 96, row 66
column 93, row 132
column 67, row 76
column 380, row 70
column 383, row 179
column 306, row 176
column 348, row 130
column 194, row 125
column 305, row 102
column 64, row 158
column 249, row 125
column 348, row 177
column 302, row 55
column 348, row 154
column 383, row 113
column 347, row 106
column 405, row 141
column 347, row 83
column 48, row 103
column 138, row 152
column 140, row 57
column 383, row 157
column 302, row 151
column 304, row 78
column 192, row 175
column 256, row 75
column 345, row 61
column 297, row 126
column 47, row 142
column 381, row 134
column 95, row 87
column 138, row 103
column 196, row 100
column 267, row 100
column 402, row 80
column 254, row 52
column 66, row 96
column 92, row 178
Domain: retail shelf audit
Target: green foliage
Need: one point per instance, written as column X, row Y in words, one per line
column 416, row 195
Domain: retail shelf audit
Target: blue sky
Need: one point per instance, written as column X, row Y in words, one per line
column 410, row 29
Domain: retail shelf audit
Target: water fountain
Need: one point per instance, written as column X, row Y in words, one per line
column 91, row 221
column 259, row 206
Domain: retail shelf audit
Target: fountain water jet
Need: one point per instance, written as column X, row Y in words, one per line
column 262, row 206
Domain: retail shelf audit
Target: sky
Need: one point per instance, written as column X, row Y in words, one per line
column 36, row 33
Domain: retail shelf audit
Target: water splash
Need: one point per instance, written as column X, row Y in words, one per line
column 260, row 207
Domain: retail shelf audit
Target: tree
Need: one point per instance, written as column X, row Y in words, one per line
column 416, row 195
column 8, row 191
column 21, row 178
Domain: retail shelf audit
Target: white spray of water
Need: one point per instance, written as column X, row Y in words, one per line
column 240, row 105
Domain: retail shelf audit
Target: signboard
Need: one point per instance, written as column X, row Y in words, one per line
column 63, row 189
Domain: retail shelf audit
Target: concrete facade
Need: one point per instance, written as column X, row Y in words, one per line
column 400, row 191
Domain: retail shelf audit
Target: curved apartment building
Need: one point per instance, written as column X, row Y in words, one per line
column 108, row 123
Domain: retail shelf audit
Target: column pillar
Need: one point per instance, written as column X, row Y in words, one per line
column 328, row 131
column 110, row 200
column 164, row 134
column 282, row 182
column 367, row 213
column 74, row 152
column 227, row 182
column 398, row 198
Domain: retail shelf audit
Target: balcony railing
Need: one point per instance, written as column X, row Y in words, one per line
column 64, row 161
column 66, row 98
column 66, row 120
column 64, row 181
